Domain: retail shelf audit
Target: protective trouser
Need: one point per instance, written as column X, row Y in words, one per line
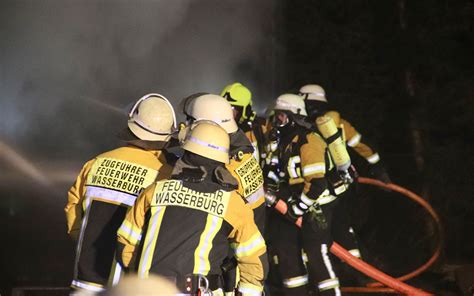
column 284, row 241
column 343, row 234
column 317, row 240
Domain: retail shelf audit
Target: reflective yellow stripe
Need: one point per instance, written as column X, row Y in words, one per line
column 201, row 254
column 328, row 284
column 355, row 253
column 293, row 170
column 373, row 159
column 306, row 199
column 129, row 232
column 340, row 189
column 304, row 257
column 154, row 225
column 115, row 273
column 314, row 168
column 296, row 281
column 256, row 196
column 325, row 198
column 255, row 243
column 327, row 263
column 354, row 140
column 249, row 289
column 86, row 205
column 255, row 153
column 87, row 286
column 114, row 196
column 273, row 176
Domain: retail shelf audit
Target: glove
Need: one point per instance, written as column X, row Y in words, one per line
column 316, row 214
column 270, row 198
column 294, row 211
column 377, row 171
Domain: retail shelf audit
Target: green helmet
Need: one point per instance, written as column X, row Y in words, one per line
column 239, row 96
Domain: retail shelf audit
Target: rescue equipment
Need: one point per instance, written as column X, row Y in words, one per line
column 337, row 147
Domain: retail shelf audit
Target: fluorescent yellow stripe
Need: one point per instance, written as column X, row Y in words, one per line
column 354, row 140
column 86, row 205
column 154, row 225
column 314, row 168
column 201, row 254
column 374, row 158
column 247, row 289
column 295, row 282
column 255, row 243
column 130, row 232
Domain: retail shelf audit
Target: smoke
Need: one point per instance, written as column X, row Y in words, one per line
column 68, row 68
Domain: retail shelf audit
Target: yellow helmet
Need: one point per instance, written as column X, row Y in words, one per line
column 209, row 140
column 240, row 96
column 292, row 103
column 152, row 118
column 313, row 92
column 211, row 107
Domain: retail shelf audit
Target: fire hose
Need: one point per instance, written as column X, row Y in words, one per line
column 396, row 284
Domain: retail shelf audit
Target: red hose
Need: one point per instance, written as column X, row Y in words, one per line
column 374, row 273
column 426, row 206
column 360, row 265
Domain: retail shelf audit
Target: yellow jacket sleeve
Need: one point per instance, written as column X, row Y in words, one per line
column 130, row 232
column 75, row 197
column 354, row 140
column 249, row 248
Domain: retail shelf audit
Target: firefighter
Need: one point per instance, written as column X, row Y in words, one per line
column 109, row 184
column 317, row 105
column 240, row 98
column 317, row 161
column 184, row 224
column 243, row 165
column 288, row 273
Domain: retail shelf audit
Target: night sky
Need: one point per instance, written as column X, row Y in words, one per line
column 401, row 71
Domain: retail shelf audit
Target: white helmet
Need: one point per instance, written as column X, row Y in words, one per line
column 214, row 108
column 292, row 103
column 209, row 140
column 313, row 92
column 152, row 118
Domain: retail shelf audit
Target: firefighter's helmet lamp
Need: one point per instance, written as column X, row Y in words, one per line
column 214, row 108
column 152, row 118
column 209, row 140
column 313, row 92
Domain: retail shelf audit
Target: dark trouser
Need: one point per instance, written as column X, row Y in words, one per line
column 344, row 235
column 318, row 238
column 284, row 247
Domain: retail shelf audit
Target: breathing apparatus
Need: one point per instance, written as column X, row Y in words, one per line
column 337, row 150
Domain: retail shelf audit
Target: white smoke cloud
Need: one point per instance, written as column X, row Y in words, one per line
column 58, row 58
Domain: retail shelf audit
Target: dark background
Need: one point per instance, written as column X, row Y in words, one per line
column 401, row 71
